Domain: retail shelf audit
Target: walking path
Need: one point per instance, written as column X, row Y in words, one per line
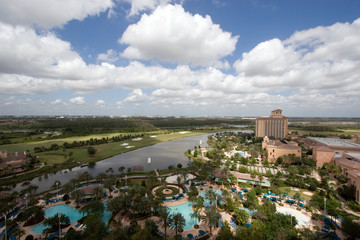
column 345, row 206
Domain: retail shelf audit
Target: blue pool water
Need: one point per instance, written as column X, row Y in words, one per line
column 69, row 211
column 202, row 194
column 186, row 211
column 250, row 212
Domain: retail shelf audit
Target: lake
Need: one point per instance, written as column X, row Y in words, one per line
column 162, row 155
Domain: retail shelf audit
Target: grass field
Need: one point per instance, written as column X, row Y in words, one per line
column 339, row 132
column 292, row 192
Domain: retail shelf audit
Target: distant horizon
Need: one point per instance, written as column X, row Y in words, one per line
column 168, row 116
column 180, row 58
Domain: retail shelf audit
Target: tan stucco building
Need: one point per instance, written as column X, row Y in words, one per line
column 323, row 154
column 275, row 125
column 279, row 148
column 339, row 146
column 349, row 165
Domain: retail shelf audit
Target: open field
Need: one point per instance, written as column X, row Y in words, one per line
column 339, row 132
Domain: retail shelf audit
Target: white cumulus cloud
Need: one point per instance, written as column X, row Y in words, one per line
column 110, row 56
column 138, row 6
column 171, row 34
column 100, row 102
column 136, row 96
column 49, row 13
column 77, row 100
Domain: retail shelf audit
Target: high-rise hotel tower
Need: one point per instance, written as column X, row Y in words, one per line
column 275, row 125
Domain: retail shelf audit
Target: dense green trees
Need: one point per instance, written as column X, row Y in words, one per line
column 241, row 216
column 31, row 215
column 225, row 232
column 351, row 227
column 91, row 208
column 91, row 151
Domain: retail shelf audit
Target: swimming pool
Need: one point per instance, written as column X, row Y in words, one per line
column 248, row 211
column 206, row 203
column 242, row 154
column 69, row 211
column 301, row 218
column 186, row 211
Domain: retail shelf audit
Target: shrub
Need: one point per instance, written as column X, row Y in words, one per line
column 67, row 202
column 354, row 205
column 66, row 197
column 29, row 237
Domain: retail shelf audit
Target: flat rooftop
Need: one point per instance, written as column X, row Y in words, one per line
column 355, row 155
column 335, row 142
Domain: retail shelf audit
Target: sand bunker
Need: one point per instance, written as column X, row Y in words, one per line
column 137, row 139
column 124, row 144
column 129, row 146
column 308, row 193
column 184, row 132
column 153, row 136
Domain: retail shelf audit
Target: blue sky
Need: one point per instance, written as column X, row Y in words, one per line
column 183, row 58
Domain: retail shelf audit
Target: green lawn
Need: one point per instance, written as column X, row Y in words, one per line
column 52, row 159
column 292, row 192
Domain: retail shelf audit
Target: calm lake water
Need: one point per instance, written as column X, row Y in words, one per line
column 162, row 155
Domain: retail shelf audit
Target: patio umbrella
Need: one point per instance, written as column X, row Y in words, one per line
column 202, row 232
column 190, row 236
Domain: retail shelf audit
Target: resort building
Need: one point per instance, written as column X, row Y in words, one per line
column 246, row 178
column 349, row 165
column 339, row 146
column 279, row 148
column 275, row 125
column 12, row 161
column 323, row 154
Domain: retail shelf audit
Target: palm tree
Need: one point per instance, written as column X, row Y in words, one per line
column 98, row 192
column 77, row 194
column 121, row 169
column 165, row 216
column 114, row 205
column 211, row 196
column 177, row 222
column 143, row 206
column 101, row 177
column 18, row 233
column 163, row 181
column 184, row 174
column 85, row 176
column 178, row 180
column 253, row 176
column 109, row 182
column 197, row 204
column 211, row 217
column 261, row 177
